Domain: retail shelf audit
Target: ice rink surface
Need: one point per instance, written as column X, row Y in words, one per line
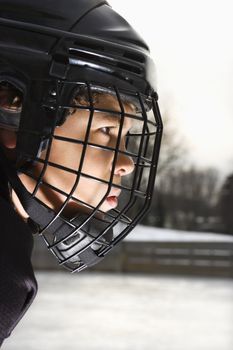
column 127, row 312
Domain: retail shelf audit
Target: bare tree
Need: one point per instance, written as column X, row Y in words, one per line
column 172, row 155
column 184, row 197
column 173, row 148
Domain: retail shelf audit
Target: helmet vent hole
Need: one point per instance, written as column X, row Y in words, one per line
column 135, row 57
column 91, row 57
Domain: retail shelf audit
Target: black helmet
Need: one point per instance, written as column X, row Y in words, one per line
column 61, row 61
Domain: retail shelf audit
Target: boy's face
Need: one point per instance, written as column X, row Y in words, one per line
column 97, row 161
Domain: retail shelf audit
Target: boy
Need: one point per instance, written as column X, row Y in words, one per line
column 80, row 136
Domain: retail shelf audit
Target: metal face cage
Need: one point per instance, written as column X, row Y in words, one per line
column 101, row 184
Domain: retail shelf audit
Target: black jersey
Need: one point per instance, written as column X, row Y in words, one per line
column 17, row 281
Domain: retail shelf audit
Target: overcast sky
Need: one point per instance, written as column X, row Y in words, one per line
column 191, row 43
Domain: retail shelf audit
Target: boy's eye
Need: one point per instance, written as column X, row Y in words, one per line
column 106, row 130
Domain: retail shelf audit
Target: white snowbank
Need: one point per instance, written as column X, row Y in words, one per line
column 147, row 234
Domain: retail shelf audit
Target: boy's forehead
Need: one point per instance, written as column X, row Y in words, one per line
column 111, row 102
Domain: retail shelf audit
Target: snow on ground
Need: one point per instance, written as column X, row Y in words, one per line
column 145, row 233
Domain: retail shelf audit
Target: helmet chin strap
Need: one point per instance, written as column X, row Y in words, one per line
column 71, row 245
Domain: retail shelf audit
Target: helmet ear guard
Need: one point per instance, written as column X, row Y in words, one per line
column 38, row 120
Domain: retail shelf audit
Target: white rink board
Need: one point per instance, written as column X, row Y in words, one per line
column 154, row 234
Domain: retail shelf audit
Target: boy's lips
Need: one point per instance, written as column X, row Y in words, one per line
column 112, row 201
column 112, row 198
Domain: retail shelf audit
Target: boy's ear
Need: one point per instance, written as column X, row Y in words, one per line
column 8, row 138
